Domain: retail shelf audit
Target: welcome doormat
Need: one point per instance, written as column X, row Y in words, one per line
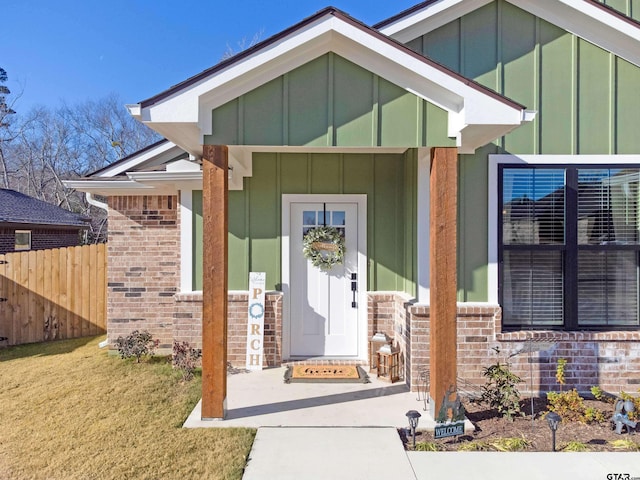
column 325, row 374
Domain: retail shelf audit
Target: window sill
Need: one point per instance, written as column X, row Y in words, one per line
column 580, row 336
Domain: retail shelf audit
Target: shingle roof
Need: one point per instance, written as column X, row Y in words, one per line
column 16, row 207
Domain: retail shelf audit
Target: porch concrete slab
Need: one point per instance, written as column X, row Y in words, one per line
column 262, row 399
column 327, row 453
column 523, row 466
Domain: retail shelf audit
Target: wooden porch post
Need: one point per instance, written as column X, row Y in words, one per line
column 215, row 179
column 443, row 273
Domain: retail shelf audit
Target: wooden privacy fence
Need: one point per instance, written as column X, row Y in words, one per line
column 53, row 294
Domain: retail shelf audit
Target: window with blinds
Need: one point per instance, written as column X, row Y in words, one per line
column 569, row 247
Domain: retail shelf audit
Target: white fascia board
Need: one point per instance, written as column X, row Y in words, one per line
column 430, row 18
column 168, row 181
column 157, row 155
column 110, row 188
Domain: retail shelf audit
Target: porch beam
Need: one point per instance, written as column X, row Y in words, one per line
column 443, row 272
column 215, row 215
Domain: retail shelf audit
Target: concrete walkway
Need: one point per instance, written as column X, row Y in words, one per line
column 377, row 453
column 349, row 431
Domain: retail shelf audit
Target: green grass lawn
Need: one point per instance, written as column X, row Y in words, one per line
column 68, row 410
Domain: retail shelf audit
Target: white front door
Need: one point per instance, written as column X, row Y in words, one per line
column 324, row 305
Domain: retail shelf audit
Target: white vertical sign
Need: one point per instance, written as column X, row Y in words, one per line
column 255, row 325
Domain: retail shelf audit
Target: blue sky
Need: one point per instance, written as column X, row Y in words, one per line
column 74, row 50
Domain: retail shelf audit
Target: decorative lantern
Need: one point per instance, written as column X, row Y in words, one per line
column 388, row 364
column 375, row 343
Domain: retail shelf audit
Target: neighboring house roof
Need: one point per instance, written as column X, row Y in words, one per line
column 588, row 19
column 477, row 115
column 18, row 208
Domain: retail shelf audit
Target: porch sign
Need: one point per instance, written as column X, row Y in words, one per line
column 255, row 324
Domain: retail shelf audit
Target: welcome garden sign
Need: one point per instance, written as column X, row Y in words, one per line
column 450, row 419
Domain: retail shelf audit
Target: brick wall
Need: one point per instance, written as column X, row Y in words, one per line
column 610, row 360
column 7, row 240
column 143, row 266
column 41, row 238
column 143, row 283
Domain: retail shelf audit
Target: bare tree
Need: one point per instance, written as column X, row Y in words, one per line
column 49, row 146
column 105, row 132
column 242, row 45
column 6, row 132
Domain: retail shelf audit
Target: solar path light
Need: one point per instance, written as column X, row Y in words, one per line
column 413, row 416
column 553, row 419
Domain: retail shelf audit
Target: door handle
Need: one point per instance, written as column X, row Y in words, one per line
column 354, row 289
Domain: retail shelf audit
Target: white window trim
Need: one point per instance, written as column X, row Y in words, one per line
column 424, row 220
column 495, row 160
column 186, row 241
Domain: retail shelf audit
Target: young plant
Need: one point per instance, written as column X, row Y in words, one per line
column 185, row 358
column 136, row 344
column 597, row 393
column 635, row 415
column 478, row 446
column 625, row 444
column 500, row 391
column 512, row 444
column 560, row 372
column 575, row 446
column 428, row 447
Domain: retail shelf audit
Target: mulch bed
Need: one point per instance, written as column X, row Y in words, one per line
column 490, row 426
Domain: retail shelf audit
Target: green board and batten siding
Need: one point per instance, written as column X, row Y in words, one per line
column 255, row 218
column 587, row 101
column 327, row 102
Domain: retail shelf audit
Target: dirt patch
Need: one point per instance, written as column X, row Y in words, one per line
column 490, row 427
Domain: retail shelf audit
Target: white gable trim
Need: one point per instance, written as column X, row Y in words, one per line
column 156, row 155
column 476, row 115
column 582, row 18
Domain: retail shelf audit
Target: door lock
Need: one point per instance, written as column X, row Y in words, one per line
column 354, row 289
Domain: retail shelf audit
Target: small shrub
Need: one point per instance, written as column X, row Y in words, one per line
column 575, row 447
column 513, row 444
column 428, row 447
column 500, row 391
column 570, row 406
column 185, row 358
column 136, row 344
column 593, row 415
